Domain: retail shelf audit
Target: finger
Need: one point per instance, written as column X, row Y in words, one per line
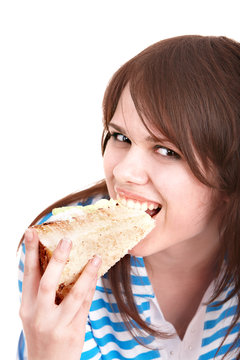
column 31, row 276
column 79, row 321
column 52, row 274
column 81, row 293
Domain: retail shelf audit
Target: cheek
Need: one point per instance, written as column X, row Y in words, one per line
column 112, row 157
column 185, row 200
column 191, row 217
column 110, row 161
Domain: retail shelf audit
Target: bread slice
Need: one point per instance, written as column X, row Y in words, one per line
column 107, row 229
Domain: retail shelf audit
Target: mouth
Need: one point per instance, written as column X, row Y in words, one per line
column 151, row 208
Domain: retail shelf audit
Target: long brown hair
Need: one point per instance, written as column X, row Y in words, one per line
column 187, row 87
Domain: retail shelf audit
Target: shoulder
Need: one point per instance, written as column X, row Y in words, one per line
column 220, row 322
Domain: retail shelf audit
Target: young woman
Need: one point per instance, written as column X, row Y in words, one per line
column 172, row 140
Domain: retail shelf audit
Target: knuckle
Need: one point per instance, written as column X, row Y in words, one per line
column 58, row 258
column 30, row 246
column 39, row 327
column 76, row 293
column 45, row 285
column 86, row 305
column 56, row 335
column 73, row 339
column 29, row 269
column 90, row 271
column 23, row 314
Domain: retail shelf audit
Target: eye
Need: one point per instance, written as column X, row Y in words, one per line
column 164, row 151
column 120, row 137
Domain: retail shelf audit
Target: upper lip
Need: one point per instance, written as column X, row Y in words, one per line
column 130, row 195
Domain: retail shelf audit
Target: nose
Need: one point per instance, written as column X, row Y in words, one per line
column 132, row 168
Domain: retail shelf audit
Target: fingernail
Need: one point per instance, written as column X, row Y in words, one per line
column 96, row 260
column 65, row 244
column 28, row 235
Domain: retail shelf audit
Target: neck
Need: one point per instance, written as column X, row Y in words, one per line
column 184, row 272
column 190, row 259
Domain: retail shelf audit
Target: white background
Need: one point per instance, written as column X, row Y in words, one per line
column 56, row 58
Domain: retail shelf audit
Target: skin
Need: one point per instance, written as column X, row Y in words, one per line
column 179, row 253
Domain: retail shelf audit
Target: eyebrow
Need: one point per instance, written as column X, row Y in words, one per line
column 148, row 138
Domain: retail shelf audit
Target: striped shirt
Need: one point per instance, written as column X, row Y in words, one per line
column 107, row 337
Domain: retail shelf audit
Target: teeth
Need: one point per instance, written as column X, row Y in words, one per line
column 130, row 204
column 137, row 205
column 144, row 206
column 123, row 201
column 151, row 207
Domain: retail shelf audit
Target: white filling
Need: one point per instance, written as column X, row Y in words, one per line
column 67, row 215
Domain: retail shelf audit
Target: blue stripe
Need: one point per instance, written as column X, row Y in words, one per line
column 211, row 354
column 86, row 355
column 21, row 346
column 117, row 326
column 226, row 313
column 123, row 344
column 21, row 266
column 143, row 306
column 91, row 200
column 215, row 306
column 45, row 218
column 140, row 280
column 144, row 295
column 103, row 290
column 137, row 262
column 101, row 304
column 149, row 355
column 105, row 320
column 88, row 336
column 86, row 202
column 219, row 334
column 20, row 285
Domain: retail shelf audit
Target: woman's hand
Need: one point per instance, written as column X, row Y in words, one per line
column 54, row 332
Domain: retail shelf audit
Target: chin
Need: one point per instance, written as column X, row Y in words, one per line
column 132, row 252
column 139, row 250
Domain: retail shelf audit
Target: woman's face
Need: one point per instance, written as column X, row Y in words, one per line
column 146, row 173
